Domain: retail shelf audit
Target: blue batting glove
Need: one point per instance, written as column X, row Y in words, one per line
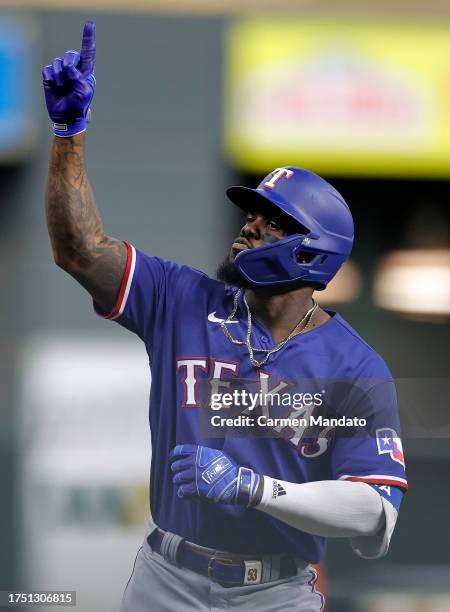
column 208, row 473
column 69, row 86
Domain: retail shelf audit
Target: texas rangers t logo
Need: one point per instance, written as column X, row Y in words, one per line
column 278, row 173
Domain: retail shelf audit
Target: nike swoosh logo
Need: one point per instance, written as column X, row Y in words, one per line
column 213, row 319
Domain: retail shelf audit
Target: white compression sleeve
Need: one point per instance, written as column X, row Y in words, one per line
column 329, row 508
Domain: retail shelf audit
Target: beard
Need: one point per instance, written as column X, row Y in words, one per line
column 226, row 273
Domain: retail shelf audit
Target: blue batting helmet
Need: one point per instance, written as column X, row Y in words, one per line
column 319, row 222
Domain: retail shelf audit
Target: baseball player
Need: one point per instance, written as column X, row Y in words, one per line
column 239, row 512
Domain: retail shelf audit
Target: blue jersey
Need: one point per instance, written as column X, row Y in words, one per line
column 176, row 311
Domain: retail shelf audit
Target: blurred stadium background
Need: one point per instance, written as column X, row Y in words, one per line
column 193, row 96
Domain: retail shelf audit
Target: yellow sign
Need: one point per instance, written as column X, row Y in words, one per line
column 339, row 97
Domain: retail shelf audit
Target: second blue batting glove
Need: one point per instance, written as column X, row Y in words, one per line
column 208, row 473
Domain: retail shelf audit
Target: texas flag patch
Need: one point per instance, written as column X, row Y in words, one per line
column 389, row 443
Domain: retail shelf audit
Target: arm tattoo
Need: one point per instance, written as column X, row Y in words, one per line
column 76, row 232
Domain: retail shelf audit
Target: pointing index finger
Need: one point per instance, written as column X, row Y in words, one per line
column 87, row 53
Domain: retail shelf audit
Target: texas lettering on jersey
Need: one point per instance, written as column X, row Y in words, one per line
column 215, row 376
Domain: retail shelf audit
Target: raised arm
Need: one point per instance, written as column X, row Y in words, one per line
column 76, row 232
column 78, row 240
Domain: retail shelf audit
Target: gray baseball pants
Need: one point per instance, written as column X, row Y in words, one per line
column 158, row 586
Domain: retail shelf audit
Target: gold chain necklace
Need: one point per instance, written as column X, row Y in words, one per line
column 305, row 321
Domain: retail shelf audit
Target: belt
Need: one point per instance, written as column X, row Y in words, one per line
column 227, row 569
